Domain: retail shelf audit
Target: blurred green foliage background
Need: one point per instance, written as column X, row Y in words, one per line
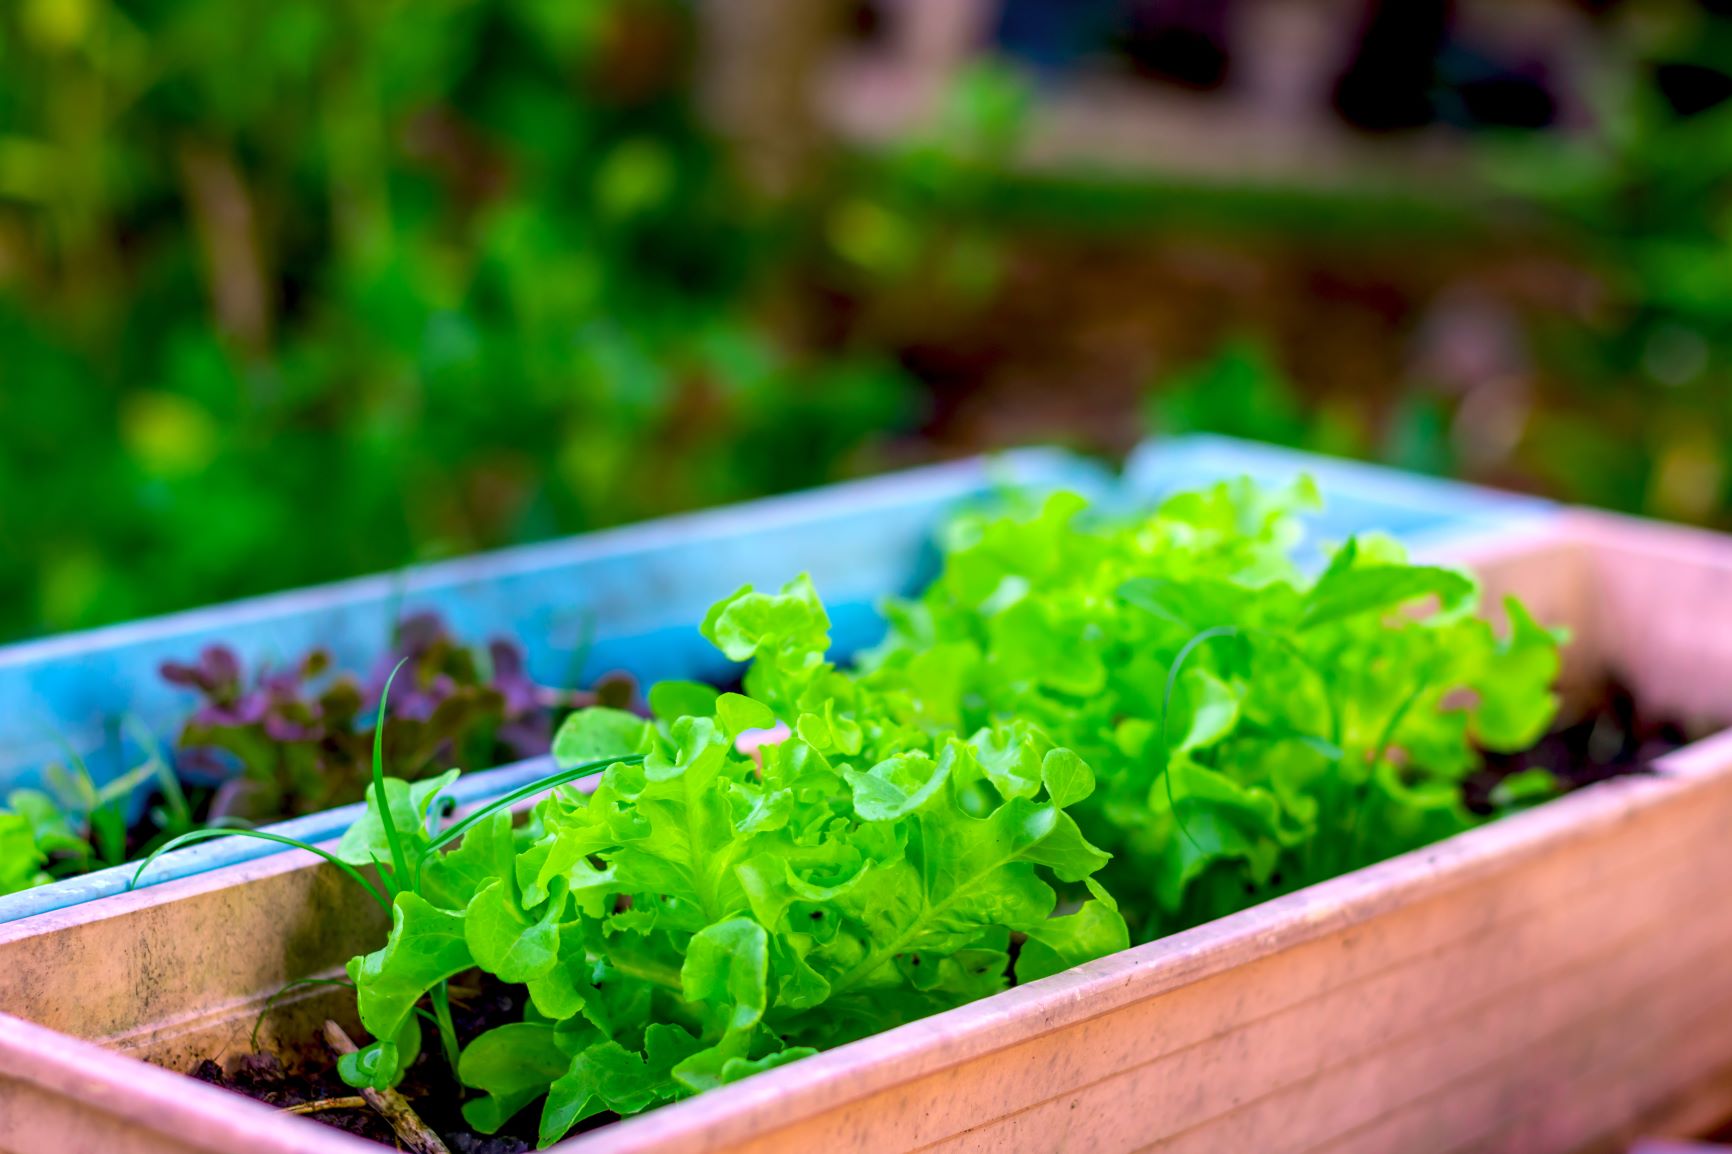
column 299, row 291
column 1600, row 314
column 302, row 290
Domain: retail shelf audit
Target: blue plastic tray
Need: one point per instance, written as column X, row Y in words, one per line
column 623, row 599
column 626, row 599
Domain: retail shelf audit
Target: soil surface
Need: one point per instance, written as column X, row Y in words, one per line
column 479, row 1002
column 1609, row 736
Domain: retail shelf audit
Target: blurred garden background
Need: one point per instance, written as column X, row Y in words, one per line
column 299, row 291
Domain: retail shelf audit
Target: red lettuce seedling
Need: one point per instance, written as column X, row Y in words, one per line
column 291, row 741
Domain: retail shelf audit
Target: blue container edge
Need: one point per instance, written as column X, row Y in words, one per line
column 1462, row 510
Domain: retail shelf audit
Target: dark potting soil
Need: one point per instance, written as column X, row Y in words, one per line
column 479, row 1002
column 1608, row 736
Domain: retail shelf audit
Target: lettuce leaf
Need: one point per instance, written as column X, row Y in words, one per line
column 1249, row 727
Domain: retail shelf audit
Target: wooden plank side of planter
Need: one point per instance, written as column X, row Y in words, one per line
column 1540, row 984
column 1600, row 1079
column 181, row 971
column 1386, row 1036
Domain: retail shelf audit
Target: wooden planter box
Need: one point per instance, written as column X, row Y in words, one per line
column 1552, row 982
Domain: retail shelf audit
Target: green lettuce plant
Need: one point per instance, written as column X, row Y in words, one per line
column 705, row 913
column 27, row 835
column 73, row 825
column 756, row 876
column 1252, row 727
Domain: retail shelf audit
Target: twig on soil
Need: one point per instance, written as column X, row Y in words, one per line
column 323, row 1104
column 417, row 1136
